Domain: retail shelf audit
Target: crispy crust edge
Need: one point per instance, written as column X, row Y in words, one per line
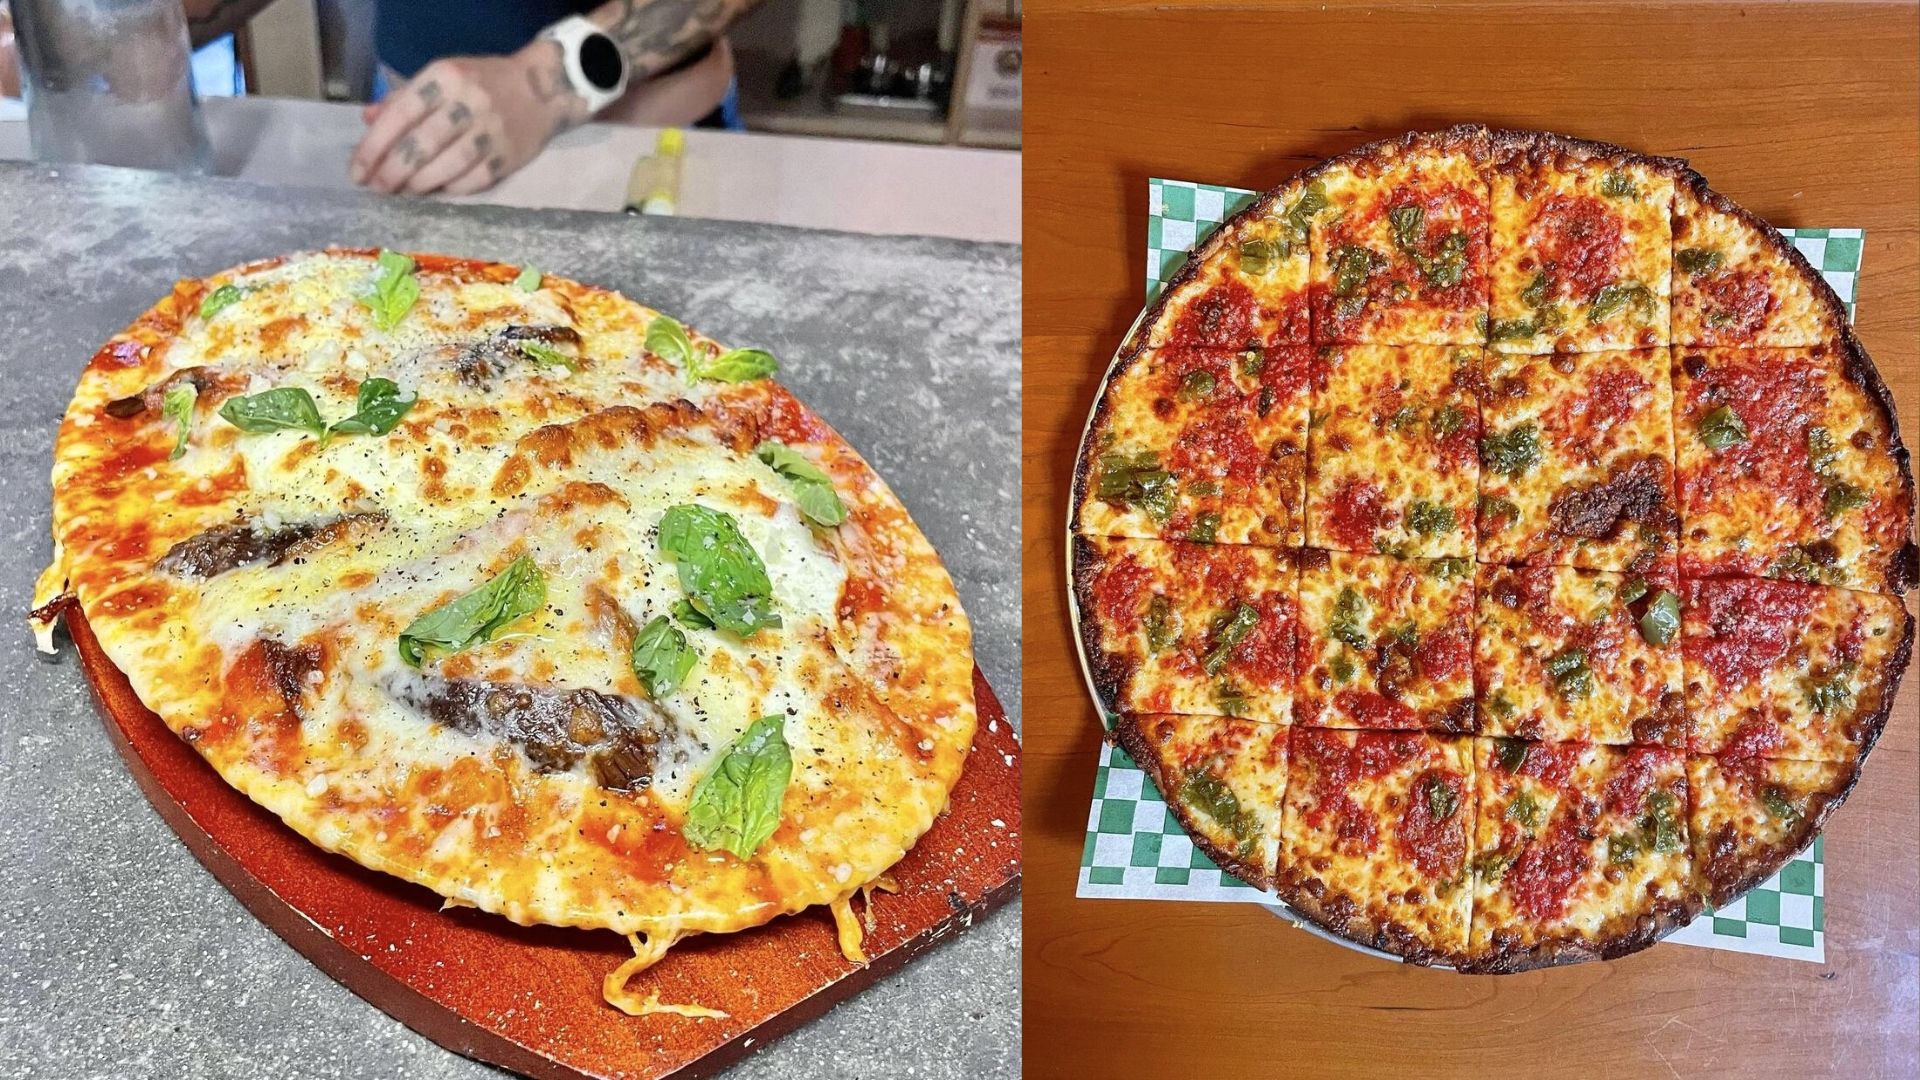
column 1388, row 936
column 1110, row 675
column 1647, row 929
column 1128, row 735
column 1754, row 871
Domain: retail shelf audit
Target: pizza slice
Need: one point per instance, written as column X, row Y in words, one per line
column 1581, row 246
column 1246, row 284
column 1576, row 459
column 1738, row 282
column 1223, row 779
column 1580, row 852
column 1573, row 655
column 1790, row 467
column 1400, row 254
column 1201, row 444
column 1393, row 455
column 1377, row 839
column 1198, row 629
column 1385, row 642
column 1751, row 816
column 1781, row 669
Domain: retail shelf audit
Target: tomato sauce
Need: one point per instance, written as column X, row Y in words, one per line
column 1551, row 763
column 1755, row 738
column 1738, row 629
column 1744, row 300
column 1777, row 398
column 1355, row 514
column 1612, row 395
column 1633, row 778
column 784, row 418
column 1336, row 767
column 1218, row 446
column 1445, row 653
column 1370, row 710
column 1226, row 316
column 1267, row 656
column 1436, row 845
column 1577, row 240
column 1447, row 209
column 1118, row 591
column 1541, row 879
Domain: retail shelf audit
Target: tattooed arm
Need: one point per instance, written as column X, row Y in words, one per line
column 462, row 123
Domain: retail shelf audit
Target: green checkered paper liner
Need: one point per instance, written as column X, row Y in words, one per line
column 1135, row 848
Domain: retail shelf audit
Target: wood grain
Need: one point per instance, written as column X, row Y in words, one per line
column 1805, row 114
column 529, row 998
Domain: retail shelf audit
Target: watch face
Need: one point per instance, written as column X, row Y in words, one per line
column 600, row 61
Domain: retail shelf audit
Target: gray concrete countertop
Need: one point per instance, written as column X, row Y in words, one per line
column 120, row 956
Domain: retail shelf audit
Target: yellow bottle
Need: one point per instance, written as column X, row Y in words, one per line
column 654, row 185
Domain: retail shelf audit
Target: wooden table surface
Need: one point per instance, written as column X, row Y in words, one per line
column 1807, row 115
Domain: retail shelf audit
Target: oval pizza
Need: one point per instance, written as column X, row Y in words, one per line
column 516, row 589
column 1494, row 544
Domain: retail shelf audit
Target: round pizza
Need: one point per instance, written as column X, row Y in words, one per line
column 511, row 587
column 1493, row 543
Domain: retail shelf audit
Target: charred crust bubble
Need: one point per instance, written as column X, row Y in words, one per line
column 1637, row 494
column 229, row 547
column 557, row 729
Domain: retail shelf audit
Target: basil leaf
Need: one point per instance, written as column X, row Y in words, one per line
column 284, row 408
column 1662, row 620
column 734, row 365
column 478, row 616
column 177, row 405
column 667, row 339
column 221, row 299
column 812, row 487
column 547, row 355
column 393, row 292
column 723, row 577
column 689, row 616
column 1514, row 452
column 1722, row 428
column 1698, row 261
column 528, row 281
column 661, row 657
column 736, row 806
column 377, row 410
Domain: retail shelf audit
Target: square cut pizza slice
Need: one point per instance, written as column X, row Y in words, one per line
column 1400, row 251
column 1576, row 459
column 1789, row 467
column 1224, row 779
column 1377, row 838
column 1751, row 816
column 1201, row 444
column 1197, row 629
column 1385, row 642
column 1246, row 284
column 1571, row 655
column 1783, row 670
column 1393, row 456
column 1580, row 852
column 1582, row 245
column 1738, row 282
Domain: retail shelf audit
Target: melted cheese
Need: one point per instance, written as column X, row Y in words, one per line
column 1196, row 759
column 1742, row 291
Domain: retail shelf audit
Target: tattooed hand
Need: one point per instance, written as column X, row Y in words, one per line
column 463, row 123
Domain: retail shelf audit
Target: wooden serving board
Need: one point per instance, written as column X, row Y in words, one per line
column 528, row 998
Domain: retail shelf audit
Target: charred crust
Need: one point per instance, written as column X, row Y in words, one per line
column 1509, row 956
column 1514, row 151
column 1737, row 875
column 1128, row 733
column 1902, row 570
column 1110, row 672
column 1339, row 914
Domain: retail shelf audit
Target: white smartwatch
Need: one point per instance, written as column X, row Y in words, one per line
column 596, row 68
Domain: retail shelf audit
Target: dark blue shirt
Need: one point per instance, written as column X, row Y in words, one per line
column 409, row 34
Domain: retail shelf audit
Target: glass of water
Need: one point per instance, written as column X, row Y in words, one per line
column 109, row 82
